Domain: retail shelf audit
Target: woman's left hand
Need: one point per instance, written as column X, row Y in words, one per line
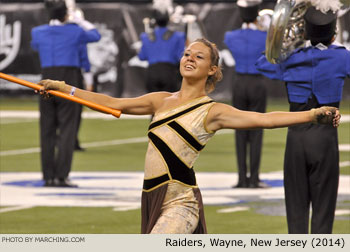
column 326, row 115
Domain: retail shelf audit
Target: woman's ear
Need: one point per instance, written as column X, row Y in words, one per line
column 213, row 70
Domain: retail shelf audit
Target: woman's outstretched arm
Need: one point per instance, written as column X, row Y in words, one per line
column 223, row 116
column 142, row 105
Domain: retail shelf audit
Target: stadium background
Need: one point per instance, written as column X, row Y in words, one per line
column 114, row 62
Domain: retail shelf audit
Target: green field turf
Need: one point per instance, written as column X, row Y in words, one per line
column 103, row 220
column 218, row 156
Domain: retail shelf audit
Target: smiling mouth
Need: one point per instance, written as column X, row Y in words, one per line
column 189, row 67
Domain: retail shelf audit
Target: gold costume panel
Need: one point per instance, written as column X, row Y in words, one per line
column 179, row 213
column 176, row 138
column 193, row 122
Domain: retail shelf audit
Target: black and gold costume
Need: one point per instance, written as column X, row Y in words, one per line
column 171, row 200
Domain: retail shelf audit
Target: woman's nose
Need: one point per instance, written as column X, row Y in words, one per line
column 190, row 58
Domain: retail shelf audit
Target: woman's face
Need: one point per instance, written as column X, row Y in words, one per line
column 196, row 62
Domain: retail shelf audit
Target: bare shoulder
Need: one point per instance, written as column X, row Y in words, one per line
column 218, row 109
column 158, row 98
column 165, row 100
column 218, row 116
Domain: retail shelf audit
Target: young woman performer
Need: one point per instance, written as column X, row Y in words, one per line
column 183, row 123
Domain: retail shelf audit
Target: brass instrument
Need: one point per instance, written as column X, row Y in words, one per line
column 286, row 31
column 287, row 28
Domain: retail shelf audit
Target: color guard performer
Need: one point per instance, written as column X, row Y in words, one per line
column 182, row 124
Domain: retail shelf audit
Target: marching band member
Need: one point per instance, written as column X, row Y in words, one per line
column 58, row 44
column 163, row 49
column 314, row 77
column 249, row 93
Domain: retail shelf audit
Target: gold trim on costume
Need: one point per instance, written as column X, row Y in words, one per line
column 184, row 140
column 185, row 163
column 149, row 178
column 167, row 182
column 178, row 106
column 175, row 119
column 157, row 186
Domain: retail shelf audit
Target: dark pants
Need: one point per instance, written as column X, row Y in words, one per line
column 311, row 176
column 77, row 142
column 58, row 125
column 249, row 93
column 163, row 77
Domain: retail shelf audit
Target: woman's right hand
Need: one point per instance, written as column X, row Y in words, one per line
column 53, row 85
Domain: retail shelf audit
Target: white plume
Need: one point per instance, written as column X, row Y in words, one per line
column 324, row 5
column 163, row 5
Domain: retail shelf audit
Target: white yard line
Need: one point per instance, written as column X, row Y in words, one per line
column 344, row 164
column 92, row 144
column 232, row 209
column 20, row 151
column 16, row 114
column 84, row 145
column 16, row 208
column 342, row 147
column 27, row 115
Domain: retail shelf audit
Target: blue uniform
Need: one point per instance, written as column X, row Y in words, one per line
column 163, row 50
column 59, row 47
column 57, row 44
column 311, row 71
column 314, row 76
column 249, row 93
column 246, row 46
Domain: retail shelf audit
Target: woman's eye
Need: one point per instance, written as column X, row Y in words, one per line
column 186, row 54
column 199, row 57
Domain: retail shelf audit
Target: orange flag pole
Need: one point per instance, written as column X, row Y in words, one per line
column 95, row 106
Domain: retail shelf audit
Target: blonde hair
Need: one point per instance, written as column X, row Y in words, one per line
column 214, row 58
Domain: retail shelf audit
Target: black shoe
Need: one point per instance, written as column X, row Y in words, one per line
column 78, row 148
column 259, row 184
column 240, row 185
column 64, row 183
column 49, row 183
